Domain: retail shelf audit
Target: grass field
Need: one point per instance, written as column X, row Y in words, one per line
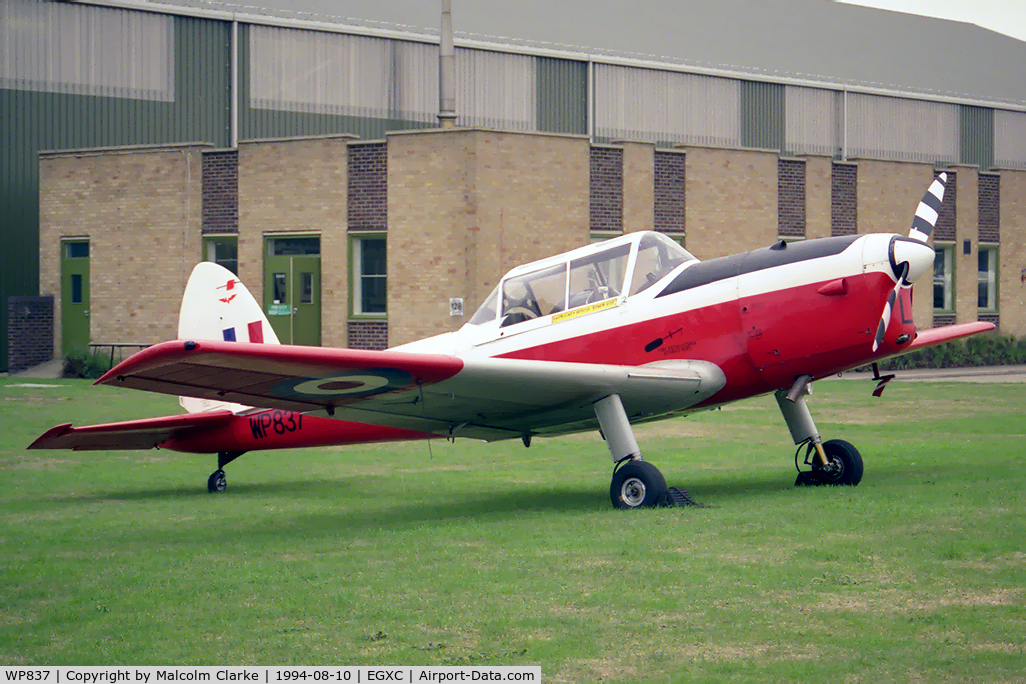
column 477, row 554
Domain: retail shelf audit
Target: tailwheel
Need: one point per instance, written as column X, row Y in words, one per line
column 843, row 466
column 217, row 482
column 637, row 484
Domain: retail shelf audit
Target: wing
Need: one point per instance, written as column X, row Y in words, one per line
column 132, row 434
column 485, row 398
column 946, row 333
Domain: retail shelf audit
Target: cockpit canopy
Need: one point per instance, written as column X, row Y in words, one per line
column 625, row 265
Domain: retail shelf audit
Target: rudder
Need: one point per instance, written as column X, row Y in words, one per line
column 218, row 306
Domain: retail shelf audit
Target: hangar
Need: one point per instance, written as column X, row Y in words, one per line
column 304, row 150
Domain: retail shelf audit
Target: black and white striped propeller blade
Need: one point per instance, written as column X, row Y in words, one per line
column 885, row 320
column 928, row 210
column 922, row 227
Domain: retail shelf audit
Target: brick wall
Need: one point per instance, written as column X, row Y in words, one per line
column 368, row 186
column 638, row 185
column 221, row 191
column 844, row 202
column 606, row 200
column 463, row 207
column 141, row 209
column 990, row 208
column 888, row 194
column 945, row 228
column 368, row 210
column 1012, row 255
column 791, row 198
column 670, row 199
column 466, row 205
column 818, row 196
column 298, row 185
column 368, row 334
column 732, row 200
column 29, row 332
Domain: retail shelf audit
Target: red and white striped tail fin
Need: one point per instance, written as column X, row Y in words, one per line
column 218, row 306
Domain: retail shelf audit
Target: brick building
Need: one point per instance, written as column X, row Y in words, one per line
column 300, row 150
column 455, row 209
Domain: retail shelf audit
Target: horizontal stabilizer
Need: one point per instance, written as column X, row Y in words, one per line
column 131, row 434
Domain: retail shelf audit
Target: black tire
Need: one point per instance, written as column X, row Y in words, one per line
column 637, row 484
column 217, row 482
column 844, row 464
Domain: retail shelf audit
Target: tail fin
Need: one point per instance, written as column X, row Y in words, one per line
column 218, row 306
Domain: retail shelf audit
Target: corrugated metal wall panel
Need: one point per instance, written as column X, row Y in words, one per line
column 86, row 50
column 202, row 81
column 295, row 82
column 1010, row 139
column 813, row 121
column 333, row 73
column 19, row 208
column 97, row 77
column 666, row 107
column 562, row 97
column 977, row 136
column 762, row 115
column 496, row 90
column 904, row 129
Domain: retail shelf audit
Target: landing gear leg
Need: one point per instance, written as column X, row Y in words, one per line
column 218, row 481
column 833, row 462
column 636, row 483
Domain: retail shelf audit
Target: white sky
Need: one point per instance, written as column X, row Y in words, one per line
column 1003, row 16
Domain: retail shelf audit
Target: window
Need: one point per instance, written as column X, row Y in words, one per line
column 368, row 260
column 306, row 288
column 943, row 278
column 223, row 251
column 987, row 278
column 534, row 294
column 76, row 250
column 486, row 312
column 281, row 289
column 599, row 276
column 657, row 256
column 294, row 246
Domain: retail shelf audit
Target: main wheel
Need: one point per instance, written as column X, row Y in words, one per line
column 637, row 484
column 217, row 482
column 844, row 464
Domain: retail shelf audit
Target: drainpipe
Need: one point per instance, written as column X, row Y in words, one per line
column 446, row 70
column 233, row 136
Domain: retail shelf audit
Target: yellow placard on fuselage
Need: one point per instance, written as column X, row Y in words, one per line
column 585, row 310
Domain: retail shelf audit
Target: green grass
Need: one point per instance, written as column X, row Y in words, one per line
column 476, row 554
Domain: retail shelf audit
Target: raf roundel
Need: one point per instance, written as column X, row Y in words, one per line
column 346, row 385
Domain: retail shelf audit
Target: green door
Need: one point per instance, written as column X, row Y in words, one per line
column 292, row 289
column 74, row 295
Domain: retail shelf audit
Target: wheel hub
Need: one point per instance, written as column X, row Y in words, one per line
column 832, row 471
column 633, row 492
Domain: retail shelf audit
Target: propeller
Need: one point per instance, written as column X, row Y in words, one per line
column 922, row 227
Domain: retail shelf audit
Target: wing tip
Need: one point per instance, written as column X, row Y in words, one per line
column 53, row 433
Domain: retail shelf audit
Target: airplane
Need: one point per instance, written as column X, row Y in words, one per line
column 607, row 336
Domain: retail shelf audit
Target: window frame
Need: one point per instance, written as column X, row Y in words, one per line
column 947, row 248
column 355, row 288
column 212, row 241
column 994, row 281
column 596, row 236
